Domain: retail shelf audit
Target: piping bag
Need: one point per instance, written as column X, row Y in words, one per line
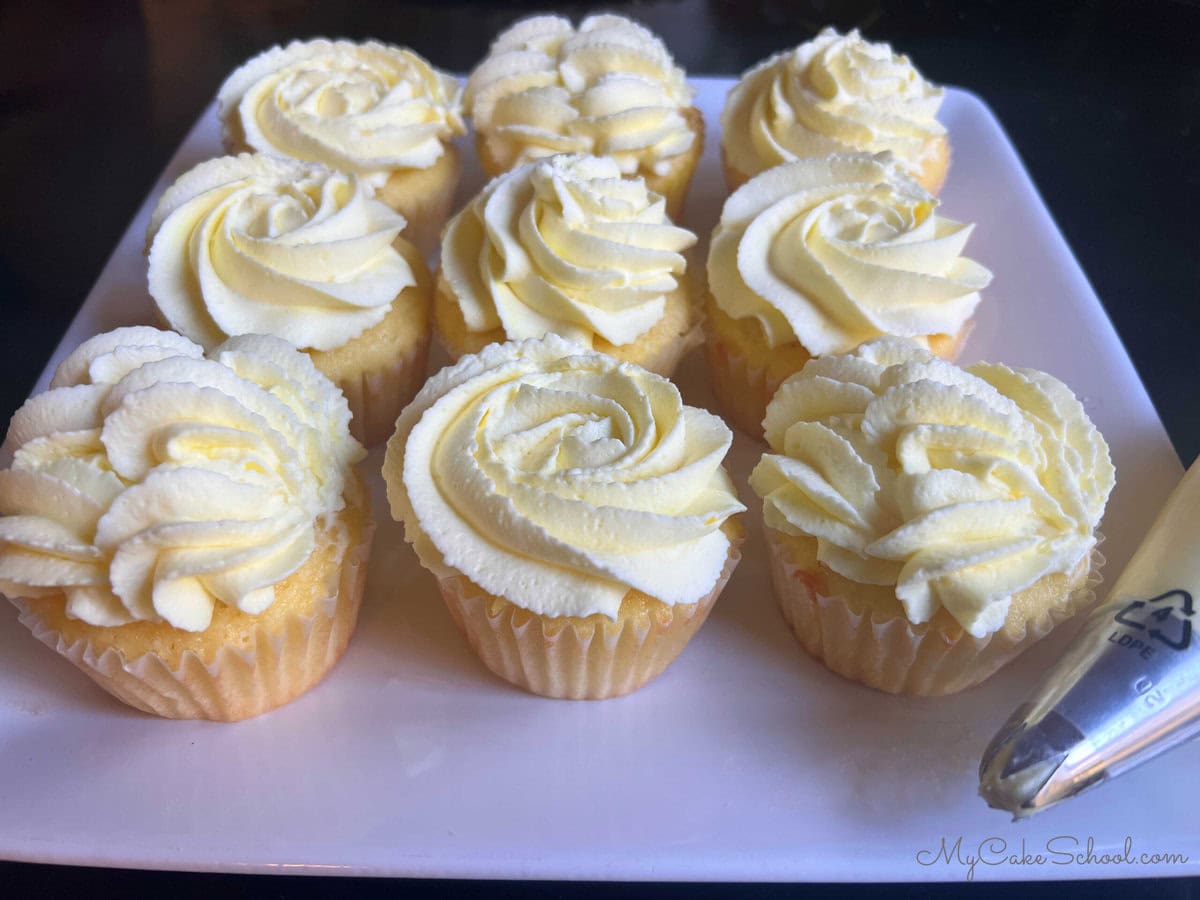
column 1127, row 688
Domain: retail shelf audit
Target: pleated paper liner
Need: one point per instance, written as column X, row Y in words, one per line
column 895, row 655
column 272, row 668
column 377, row 396
column 577, row 658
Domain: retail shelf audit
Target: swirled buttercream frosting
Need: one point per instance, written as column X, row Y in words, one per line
column 835, row 251
column 255, row 244
column 961, row 487
column 835, row 94
column 609, row 88
column 370, row 108
column 150, row 482
column 567, row 246
column 559, row 479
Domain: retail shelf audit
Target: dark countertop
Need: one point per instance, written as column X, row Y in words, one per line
column 1102, row 100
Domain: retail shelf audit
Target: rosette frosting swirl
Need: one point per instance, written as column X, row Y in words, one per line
column 564, row 245
column 961, row 487
column 835, row 94
column 255, row 244
column 365, row 108
column 559, row 479
column 834, row 251
column 609, row 88
column 149, row 483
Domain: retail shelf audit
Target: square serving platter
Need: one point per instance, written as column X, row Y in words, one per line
column 745, row 761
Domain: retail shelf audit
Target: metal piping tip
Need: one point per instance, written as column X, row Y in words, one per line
column 1022, row 769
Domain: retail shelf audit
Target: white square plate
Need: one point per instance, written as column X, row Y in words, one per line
column 746, row 760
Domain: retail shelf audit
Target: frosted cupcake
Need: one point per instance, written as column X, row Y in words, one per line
column 835, row 94
column 260, row 245
column 819, row 255
column 574, row 511
column 380, row 112
column 928, row 523
column 566, row 246
column 608, row 88
column 188, row 531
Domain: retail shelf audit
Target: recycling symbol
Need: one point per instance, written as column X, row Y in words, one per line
column 1166, row 618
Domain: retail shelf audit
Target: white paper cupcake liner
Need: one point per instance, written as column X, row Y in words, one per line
column 237, row 683
column 377, row 396
column 591, row 658
column 897, row 656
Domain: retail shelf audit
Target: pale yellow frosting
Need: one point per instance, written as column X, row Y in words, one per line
column 564, row 246
column 609, row 88
column 365, row 108
column 559, row 479
column 961, row 487
column 834, row 251
column 150, row 483
column 255, row 244
column 835, row 94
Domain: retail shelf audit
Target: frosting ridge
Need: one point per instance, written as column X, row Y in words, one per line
column 564, row 245
column 835, row 251
column 255, row 244
column 149, row 482
column 834, row 94
column 367, row 108
column 560, row 479
column 961, row 487
column 609, row 88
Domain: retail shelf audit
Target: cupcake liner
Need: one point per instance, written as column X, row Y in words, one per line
column 236, row 684
column 741, row 388
column 376, row 396
column 895, row 655
column 592, row 658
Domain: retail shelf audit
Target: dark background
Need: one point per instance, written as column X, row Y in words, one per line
column 1102, row 100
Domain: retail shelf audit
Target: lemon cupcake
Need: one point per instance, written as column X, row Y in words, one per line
column 378, row 111
column 928, row 523
column 819, row 255
column 608, row 88
column 574, row 511
column 255, row 244
column 835, row 94
column 188, row 531
column 566, row 246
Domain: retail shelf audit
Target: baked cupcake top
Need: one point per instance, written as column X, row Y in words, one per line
column 255, row 244
column 837, row 250
column 564, row 246
column 834, row 94
column 961, row 487
column 365, row 108
column 150, row 483
column 609, row 88
column 559, row 479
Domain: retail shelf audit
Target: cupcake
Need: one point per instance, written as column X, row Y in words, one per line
column 608, row 88
column 566, row 246
column 835, row 94
column 819, row 255
column 380, row 112
column 255, row 244
column 188, row 531
column 927, row 523
column 574, row 512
